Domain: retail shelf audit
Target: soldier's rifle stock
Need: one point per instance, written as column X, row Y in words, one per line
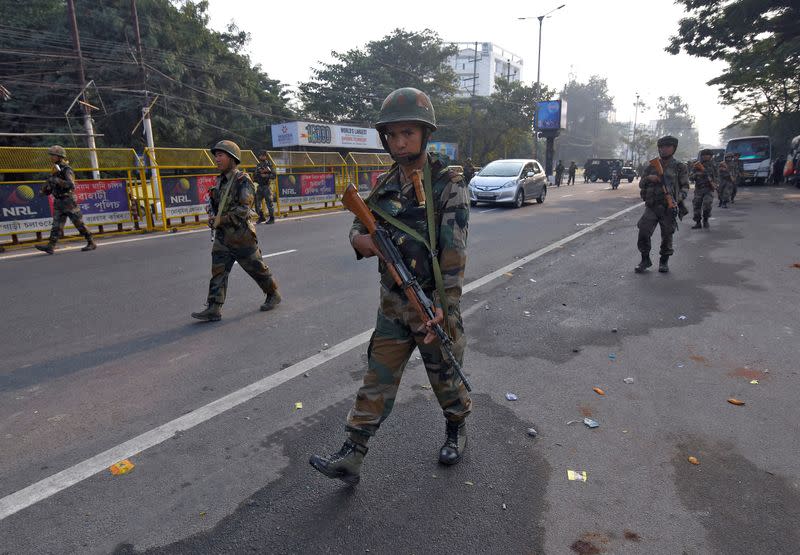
column 673, row 207
column 401, row 274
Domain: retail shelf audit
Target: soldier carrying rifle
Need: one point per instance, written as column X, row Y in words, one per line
column 706, row 177
column 424, row 209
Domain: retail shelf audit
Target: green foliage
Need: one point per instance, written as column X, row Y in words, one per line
column 760, row 41
column 353, row 87
column 589, row 133
column 207, row 89
column 676, row 120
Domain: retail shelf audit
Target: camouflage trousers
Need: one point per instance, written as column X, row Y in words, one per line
column 395, row 337
column 725, row 190
column 263, row 194
column 702, row 202
column 60, row 216
column 248, row 257
column 661, row 216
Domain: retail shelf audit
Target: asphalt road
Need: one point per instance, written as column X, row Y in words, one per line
column 99, row 351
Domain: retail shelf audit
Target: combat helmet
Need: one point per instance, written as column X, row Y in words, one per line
column 706, row 152
column 57, row 150
column 407, row 104
column 230, row 148
column 668, row 140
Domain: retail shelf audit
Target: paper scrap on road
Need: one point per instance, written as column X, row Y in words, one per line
column 576, row 476
column 682, row 317
column 122, row 467
column 693, row 460
column 591, row 423
column 737, row 402
column 511, row 397
column 508, row 274
column 298, row 405
column 628, row 380
column 753, row 382
column 469, row 483
column 598, row 391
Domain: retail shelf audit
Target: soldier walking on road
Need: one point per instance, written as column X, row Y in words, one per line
column 571, row 173
column 431, row 236
column 736, row 174
column 559, row 173
column 706, row 178
column 264, row 175
column 235, row 237
column 653, row 190
column 725, row 181
column 61, row 184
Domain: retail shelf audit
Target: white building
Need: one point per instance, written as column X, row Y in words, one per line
column 491, row 62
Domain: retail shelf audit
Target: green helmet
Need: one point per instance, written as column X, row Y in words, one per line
column 407, row 104
column 57, row 150
column 706, row 152
column 230, row 148
column 668, row 140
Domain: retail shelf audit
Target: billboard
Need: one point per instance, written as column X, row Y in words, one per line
column 302, row 133
column 444, row 149
column 551, row 115
column 368, row 179
column 306, row 188
column 23, row 208
column 186, row 195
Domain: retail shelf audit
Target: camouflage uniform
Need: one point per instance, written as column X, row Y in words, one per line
column 65, row 204
column 704, row 185
column 264, row 192
column 656, row 212
column 235, row 237
column 725, row 183
column 736, row 175
column 397, row 331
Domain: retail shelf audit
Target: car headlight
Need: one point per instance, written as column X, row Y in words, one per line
column 509, row 184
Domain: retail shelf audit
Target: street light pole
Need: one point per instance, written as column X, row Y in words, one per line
column 633, row 140
column 539, row 77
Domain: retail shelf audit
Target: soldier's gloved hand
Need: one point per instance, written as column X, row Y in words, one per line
column 365, row 245
column 431, row 336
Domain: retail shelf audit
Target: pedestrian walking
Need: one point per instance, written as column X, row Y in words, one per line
column 571, row 173
column 559, row 173
column 431, row 235
column 232, row 220
column 654, row 190
column 61, row 184
column 264, row 176
column 706, row 178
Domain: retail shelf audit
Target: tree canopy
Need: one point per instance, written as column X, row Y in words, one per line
column 206, row 87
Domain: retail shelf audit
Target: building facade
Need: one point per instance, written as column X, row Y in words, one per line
column 492, row 62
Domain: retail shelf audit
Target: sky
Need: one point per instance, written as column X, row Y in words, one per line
column 622, row 40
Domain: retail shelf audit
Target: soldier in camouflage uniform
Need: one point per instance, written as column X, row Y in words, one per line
column 725, row 180
column 235, row 237
column 405, row 124
column 65, row 204
column 656, row 211
column 264, row 175
column 706, row 178
column 736, row 174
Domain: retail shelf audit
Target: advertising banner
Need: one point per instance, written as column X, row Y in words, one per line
column 367, row 179
column 306, row 188
column 24, row 210
column 444, row 149
column 186, row 195
column 301, row 133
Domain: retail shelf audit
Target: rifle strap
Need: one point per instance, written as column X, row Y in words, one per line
column 414, row 234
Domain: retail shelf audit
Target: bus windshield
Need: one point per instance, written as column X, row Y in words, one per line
column 752, row 149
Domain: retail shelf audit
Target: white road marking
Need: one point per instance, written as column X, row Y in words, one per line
column 270, row 255
column 569, row 195
column 19, row 500
column 159, row 235
column 184, row 355
column 487, row 210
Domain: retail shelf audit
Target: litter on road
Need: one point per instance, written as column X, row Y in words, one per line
column 737, row 402
column 681, row 317
column 298, row 405
column 591, row 423
column 532, row 432
column 511, row 397
column 122, row 467
column 598, row 391
column 628, row 380
column 753, row 382
column 693, row 460
column 577, row 476
column 612, row 356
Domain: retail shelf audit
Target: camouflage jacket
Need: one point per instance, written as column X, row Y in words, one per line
column 677, row 181
column 451, row 212
column 725, row 174
column 62, row 186
column 263, row 180
column 236, row 228
column 708, row 177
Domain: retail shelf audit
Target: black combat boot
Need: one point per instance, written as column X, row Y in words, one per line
column 212, row 313
column 454, row 444
column 271, row 220
column 705, row 222
column 644, row 264
column 697, row 225
column 345, row 465
column 90, row 244
column 48, row 248
column 272, row 300
column 261, row 220
column 662, row 264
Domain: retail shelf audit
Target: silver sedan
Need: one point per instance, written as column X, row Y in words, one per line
column 509, row 181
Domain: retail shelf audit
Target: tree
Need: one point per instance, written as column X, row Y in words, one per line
column 353, row 87
column 676, row 120
column 589, row 133
column 207, row 88
column 760, row 41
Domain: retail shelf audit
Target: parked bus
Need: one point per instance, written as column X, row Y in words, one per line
column 755, row 156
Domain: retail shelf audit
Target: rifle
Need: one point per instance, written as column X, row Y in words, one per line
column 699, row 167
column 400, row 273
column 656, row 163
column 220, row 209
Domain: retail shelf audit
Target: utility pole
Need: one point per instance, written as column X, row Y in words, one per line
column 633, row 140
column 87, row 116
column 472, row 100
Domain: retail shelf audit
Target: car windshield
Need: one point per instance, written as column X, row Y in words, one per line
column 501, row 168
column 750, row 149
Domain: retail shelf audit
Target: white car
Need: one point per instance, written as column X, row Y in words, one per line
column 509, row 181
